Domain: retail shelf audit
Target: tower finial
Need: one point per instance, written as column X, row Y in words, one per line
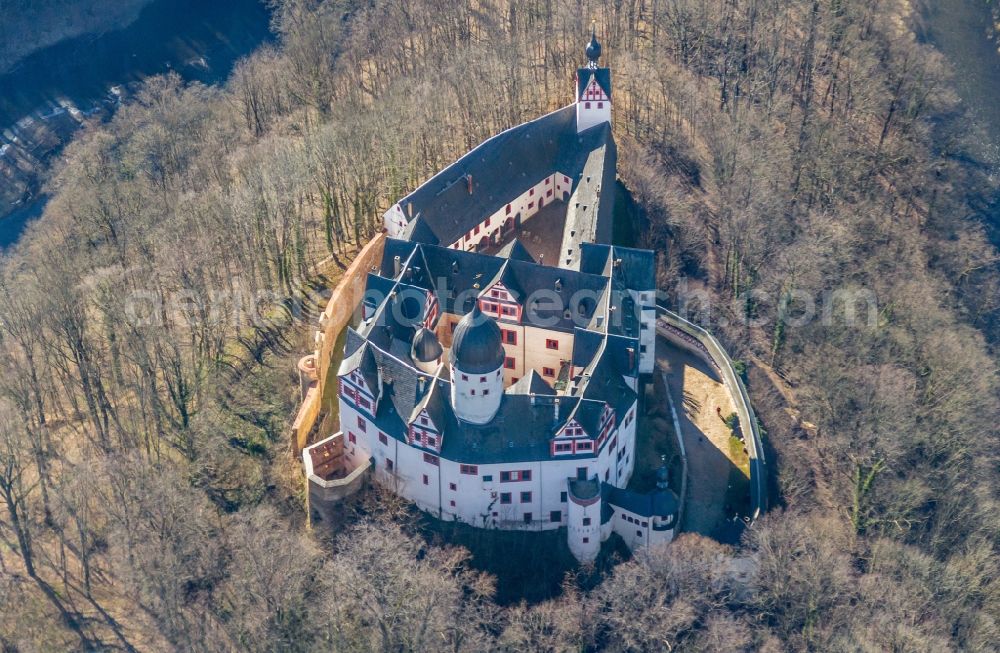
column 593, row 48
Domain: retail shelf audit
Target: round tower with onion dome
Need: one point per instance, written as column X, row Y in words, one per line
column 425, row 350
column 476, row 359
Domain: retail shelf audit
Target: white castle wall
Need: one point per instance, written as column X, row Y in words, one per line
column 477, row 496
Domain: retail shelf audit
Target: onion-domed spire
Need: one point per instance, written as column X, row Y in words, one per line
column 593, row 48
column 476, row 346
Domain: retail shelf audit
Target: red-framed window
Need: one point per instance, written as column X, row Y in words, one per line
column 507, row 210
column 600, row 105
column 431, row 441
column 548, row 180
column 476, row 230
column 452, row 503
column 469, row 469
column 427, row 481
column 362, row 425
column 465, row 377
column 531, row 205
column 388, row 464
column 423, row 420
column 508, row 310
column 495, row 293
column 551, row 344
column 586, row 445
column 509, row 337
column 505, row 498
column 548, row 371
column 383, row 438
column 515, row 475
column 431, row 459
column 487, row 223
column 526, row 497
column 482, row 379
column 531, row 192
column 508, row 362
column 353, row 439
column 563, row 447
column 452, row 487
column 586, row 105
column 548, row 193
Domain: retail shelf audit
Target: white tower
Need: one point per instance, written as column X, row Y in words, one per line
column 593, row 89
column 584, row 518
column 476, row 358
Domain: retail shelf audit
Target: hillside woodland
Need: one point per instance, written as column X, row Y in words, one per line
column 774, row 148
column 30, row 25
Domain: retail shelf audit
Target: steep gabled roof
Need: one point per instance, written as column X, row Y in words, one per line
column 590, row 214
column 585, row 75
column 435, row 402
column 635, row 269
column 516, row 250
column 530, row 383
column 500, row 169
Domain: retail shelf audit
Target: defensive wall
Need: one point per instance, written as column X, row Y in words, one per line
column 345, row 299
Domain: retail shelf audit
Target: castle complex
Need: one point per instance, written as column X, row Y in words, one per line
column 488, row 384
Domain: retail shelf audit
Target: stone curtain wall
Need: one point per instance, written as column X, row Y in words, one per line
column 339, row 310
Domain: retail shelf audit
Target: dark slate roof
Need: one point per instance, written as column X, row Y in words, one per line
column 425, row 346
column 500, row 168
column 417, row 230
column 520, row 432
column 584, row 75
column 516, row 250
column 457, row 277
column 601, row 383
column 435, row 401
column 658, row 503
column 536, row 287
column 636, row 269
column 476, row 346
column 590, row 214
column 530, row 383
column 364, row 360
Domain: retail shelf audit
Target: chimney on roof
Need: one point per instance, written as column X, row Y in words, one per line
column 631, row 358
column 468, row 179
column 555, row 410
column 618, row 263
column 409, row 209
column 534, row 399
column 558, row 285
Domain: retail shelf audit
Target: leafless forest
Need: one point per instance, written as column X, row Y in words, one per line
column 778, row 147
